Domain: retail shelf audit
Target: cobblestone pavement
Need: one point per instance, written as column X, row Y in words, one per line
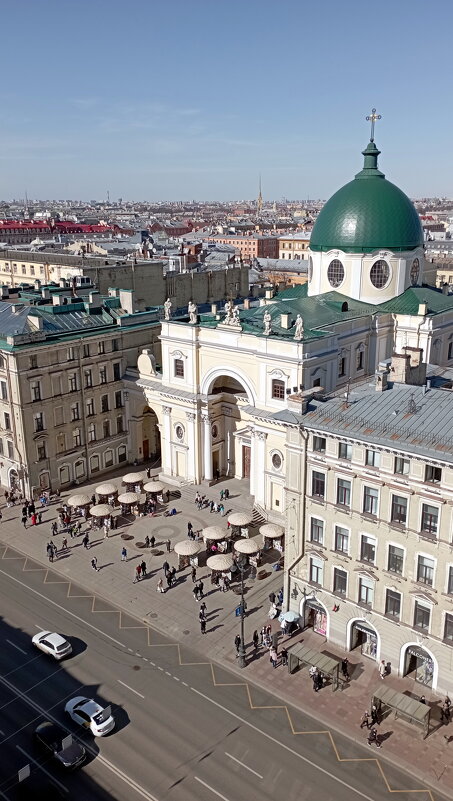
column 175, row 613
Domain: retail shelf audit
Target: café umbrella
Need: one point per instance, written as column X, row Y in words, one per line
column 106, row 489
column 188, row 548
column 101, row 510
column 220, row 561
column 128, row 498
column 79, row 500
column 248, row 547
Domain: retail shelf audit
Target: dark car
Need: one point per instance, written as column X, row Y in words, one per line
column 56, row 741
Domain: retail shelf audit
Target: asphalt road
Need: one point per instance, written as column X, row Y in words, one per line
column 179, row 736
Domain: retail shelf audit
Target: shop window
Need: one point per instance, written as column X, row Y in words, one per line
column 345, row 451
column 343, row 492
column 316, row 569
column 425, row 570
column 318, row 484
column 79, row 469
column 393, row 604
column 398, row 512
column 65, row 475
column 278, row 389
column 395, row 560
column 341, row 539
column 422, row 616
column 370, row 500
column 317, row 530
column 122, row 455
column 319, row 444
column 340, row 581
column 108, row 458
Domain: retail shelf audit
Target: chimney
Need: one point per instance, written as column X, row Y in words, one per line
column 285, row 320
column 380, row 380
column 214, row 308
column 422, row 309
column 127, row 300
column 94, row 296
column 247, row 303
column 62, row 283
column 269, row 293
column 113, row 292
column 45, row 294
column 445, row 289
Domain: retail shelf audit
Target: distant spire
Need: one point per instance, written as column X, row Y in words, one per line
column 259, row 202
column 373, row 117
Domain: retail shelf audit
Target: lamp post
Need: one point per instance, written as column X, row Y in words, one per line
column 241, row 565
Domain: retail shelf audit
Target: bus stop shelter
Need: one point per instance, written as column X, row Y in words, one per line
column 301, row 655
column 403, row 706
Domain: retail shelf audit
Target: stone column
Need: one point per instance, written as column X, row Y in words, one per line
column 191, row 456
column 252, row 462
column 259, row 462
column 207, row 449
column 166, row 450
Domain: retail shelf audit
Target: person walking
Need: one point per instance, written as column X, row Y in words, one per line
column 365, row 720
column 39, row 516
column 168, row 545
column 49, row 550
column 24, row 520
column 374, row 715
column 160, row 585
column 143, row 567
column 86, row 541
column 173, row 574
column 237, row 643
column 272, row 597
column 345, row 668
column 152, row 541
column 138, row 573
column 284, row 656
column 64, row 544
column 273, row 657
column 373, row 738
column 165, row 567
column 189, row 529
column 169, row 580
column 123, row 554
column 263, row 635
column 193, row 573
column 106, row 531
column 203, row 625
column 200, row 589
column 255, row 640
column 211, row 506
column 382, row 669
column 203, row 609
column 94, row 564
column 445, row 711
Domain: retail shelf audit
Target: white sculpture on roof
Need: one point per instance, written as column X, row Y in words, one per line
column 192, row 308
column 167, row 308
column 267, row 320
column 229, row 310
column 299, row 332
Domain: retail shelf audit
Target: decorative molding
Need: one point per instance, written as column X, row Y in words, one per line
column 205, row 418
column 166, row 409
column 191, row 416
column 177, row 354
column 262, row 435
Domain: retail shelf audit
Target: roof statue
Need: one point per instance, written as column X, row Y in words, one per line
column 192, row 308
column 232, row 314
column 167, row 308
column 299, row 332
column 267, row 320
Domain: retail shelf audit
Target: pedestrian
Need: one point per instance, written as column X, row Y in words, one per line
column 94, row 564
column 280, row 597
column 382, row 669
column 445, row 711
column 273, row 657
column 54, row 528
column 227, row 494
column 217, row 474
column 284, row 656
column 143, row 567
column 263, row 635
column 237, row 643
column 24, row 521
column 222, row 493
column 93, row 499
column 315, row 678
column 200, row 589
column 422, row 699
column 211, row 506
column 165, row 567
column 49, row 550
column 272, row 597
column 255, row 640
column 194, row 574
column 168, row 545
column 203, row 625
column 147, row 541
column 189, row 529
column 39, row 517
column 365, row 720
column 160, row 585
column 169, row 579
column 203, row 609
column 64, row 544
column 106, row 531
column 373, row 738
column 201, row 615
column 123, row 554
column 138, row 573
column 54, row 548
column 34, row 519
column 374, row 715
column 152, row 541
column 345, row 668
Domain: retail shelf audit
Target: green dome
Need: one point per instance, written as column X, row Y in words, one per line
column 369, row 213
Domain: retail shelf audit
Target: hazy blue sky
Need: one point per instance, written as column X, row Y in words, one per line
column 193, row 99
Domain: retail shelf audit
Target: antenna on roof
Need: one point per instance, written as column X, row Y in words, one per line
column 411, row 406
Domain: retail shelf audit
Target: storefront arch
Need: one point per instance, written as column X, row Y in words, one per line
column 315, row 616
column 360, row 633
column 150, row 445
column 13, row 478
column 419, row 663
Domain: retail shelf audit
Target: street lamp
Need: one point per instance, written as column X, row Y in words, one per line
column 241, row 563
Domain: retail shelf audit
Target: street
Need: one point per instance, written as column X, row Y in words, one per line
column 179, row 734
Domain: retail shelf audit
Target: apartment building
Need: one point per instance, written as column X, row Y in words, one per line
column 294, row 246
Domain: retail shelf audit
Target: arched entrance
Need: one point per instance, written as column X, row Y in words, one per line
column 417, row 663
column 150, row 442
column 315, row 616
column 363, row 635
column 13, row 478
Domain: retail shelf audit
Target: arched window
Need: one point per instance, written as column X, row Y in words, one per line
column 122, row 455
column 379, row 274
column 79, row 469
column 415, row 272
column 335, row 273
column 94, row 463
column 65, row 475
column 108, row 458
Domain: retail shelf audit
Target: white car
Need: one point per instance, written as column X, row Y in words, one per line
column 53, row 644
column 90, row 715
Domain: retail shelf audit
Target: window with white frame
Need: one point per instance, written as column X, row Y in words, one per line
column 401, row 466
column 108, row 458
column 368, row 549
column 393, row 604
column 343, row 492
column 433, row 474
column 39, row 421
column 425, row 570
column 90, row 407
column 72, row 381
column 370, row 500
column 366, row 591
column 92, row 433
column 76, row 438
column 35, row 391
column 430, row 519
column 317, row 530
column 178, row 368
column 316, row 570
column 345, row 451
column 448, row 629
column 319, row 444
column 372, row 458
column 398, row 512
column 395, row 560
column 422, row 615
column 341, row 539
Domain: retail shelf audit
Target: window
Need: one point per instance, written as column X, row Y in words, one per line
column 366, row 591
column 10, row 449
column 278, row 389
column 415, row 272
column 433, row 474
column 102, row 375
column 277, row 460
column 179, row 368
column 108, row 457
column 372, row 458
column 90, row 407
column 106, row 428
column 42, row 451
column 104, row 403
column 56, row 385
column 448, row 630
column 101, row 347
column 343, row 492
column 421, row 616
column 4, row 390
column 318, row 484
column 7, row 421
column 359, row 360
column 118, row 400
column 450, row 581
column 341, row 539
column 122, row 455
column 88, row 379
column 1, row 447
column 317, row 530
column 58, row 415
column 395, row 560
column 368, row 549
column 75, row 412
column 79, row 469
column 430, row 518
column 38, row 421
column 340, row 581
column 33, row 362
column 115, row 348
column 61, row 443
column 379, row 274
column 345, row 451
column 316, row 567
column 76, row 438
column 119, row 425
column 319, row 444
column 32, row 270
column 370, row 500
column 86, row 351
column 335, row 273
column 92, row 433
column 341, row 366
column 399, row 509
column 425, row 570
column 117, row 371
column 73, row 382
column 401, row 466
column 94, row 464
column 393, row 604
column 70, row 354
column 450, row 351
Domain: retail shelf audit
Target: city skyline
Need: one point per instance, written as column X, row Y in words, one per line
column 196, row 102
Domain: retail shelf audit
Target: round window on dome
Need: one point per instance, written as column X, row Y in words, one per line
column 335, row 273
column 415, row 272
column 380, row 274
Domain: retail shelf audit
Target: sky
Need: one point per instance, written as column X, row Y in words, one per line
column 194, row 99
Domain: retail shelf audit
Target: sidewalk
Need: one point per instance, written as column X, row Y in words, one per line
column 175, row 613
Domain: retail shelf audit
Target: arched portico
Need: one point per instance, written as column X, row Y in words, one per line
column 212, row 376
column 150, row 435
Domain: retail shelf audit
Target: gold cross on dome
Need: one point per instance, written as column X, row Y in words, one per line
column 372, row 118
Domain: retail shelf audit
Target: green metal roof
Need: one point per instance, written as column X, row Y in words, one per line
column 368, row 213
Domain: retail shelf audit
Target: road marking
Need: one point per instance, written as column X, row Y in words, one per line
column 41, row 767
column 130, row 688
column 40, row 628
column 2, row 733
column 176, row 678
column 282, row 745
column 62, row 608
column 168, row 673
column 211, row 788
column 244, row 765
column 16, row 646
column 46, row 678
column 159, row 667
column 185, row 683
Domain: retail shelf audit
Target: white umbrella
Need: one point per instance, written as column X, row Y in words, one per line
column 79, row 500
column 134, row 478
column 215, row 533
column 188, row 548
column 128, row 497
column 154, row 486
column 220, row 561
column 106, row 489
column 101, row 510
column 246, row 546
column 240, row 519
column 272, row 531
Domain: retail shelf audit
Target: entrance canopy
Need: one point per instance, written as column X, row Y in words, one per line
column 403, row 706
column 304, row 655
